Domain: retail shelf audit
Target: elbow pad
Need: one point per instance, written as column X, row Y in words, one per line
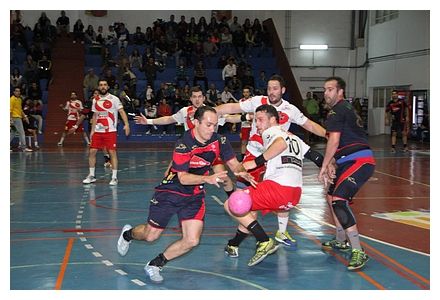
column 315, row 157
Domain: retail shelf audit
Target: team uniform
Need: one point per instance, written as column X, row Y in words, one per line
column 187, row 201
column 246, row 126
column 282, row 183
column 398, row 115
column 354, row 158
column 288, row 114
column 74, row 108
column 185, row 116
column 106, row 107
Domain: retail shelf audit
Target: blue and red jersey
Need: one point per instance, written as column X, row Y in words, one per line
column 194, row 157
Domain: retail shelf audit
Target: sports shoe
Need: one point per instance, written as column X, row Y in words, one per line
column 114, row 181
column 123, row 245
column 27, row 150
column 405, row 149
column 89, row 179
column 358, row 260
column 263, row 250
column 285, row 239
column 153, row 272
column 59, row 143
column 335, row 244
column 231, row 251
column 393, row 150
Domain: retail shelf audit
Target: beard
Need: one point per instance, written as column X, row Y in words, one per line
column 103, row 92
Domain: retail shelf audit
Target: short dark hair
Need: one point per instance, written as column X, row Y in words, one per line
column 200, row 112
column 340, row 83
column 102, row 79
column 269, row 110
column 196, row 89
column 278, row 78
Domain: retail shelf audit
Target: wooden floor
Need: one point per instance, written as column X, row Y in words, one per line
column 63, row 234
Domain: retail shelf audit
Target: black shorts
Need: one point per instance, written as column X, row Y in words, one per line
column 397, row 126
column 165, row 204
column 350, row 176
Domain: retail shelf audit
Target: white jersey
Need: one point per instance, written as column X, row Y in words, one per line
column 288, row 114
column 185, row 116
column 106, row 107
column 73, row 108
column 286, row 167
column 245, row 124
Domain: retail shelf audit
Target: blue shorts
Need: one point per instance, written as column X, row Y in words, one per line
column 165, row 204
column 350, row 176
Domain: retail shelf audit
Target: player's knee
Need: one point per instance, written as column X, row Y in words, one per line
column 192, row 242
column 343, row 213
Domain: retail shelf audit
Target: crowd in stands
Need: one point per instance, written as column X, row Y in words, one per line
column 151, row 69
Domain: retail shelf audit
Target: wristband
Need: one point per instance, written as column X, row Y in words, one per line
column 149, row 121
column 75, row 126
column 260, row 160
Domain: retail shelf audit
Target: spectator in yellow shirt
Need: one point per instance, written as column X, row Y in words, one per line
column 17, row 117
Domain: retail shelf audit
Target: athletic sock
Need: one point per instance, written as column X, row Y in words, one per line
column 340, row 234
column 92, row 172
column 258, row 231
column 282, row 223
column 114, row 173
column 355, row 242
column 158, row 261
column 238, row 238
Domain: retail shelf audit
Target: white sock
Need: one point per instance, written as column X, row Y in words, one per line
column 114, row 173
column 282, row 223
column 92, row 172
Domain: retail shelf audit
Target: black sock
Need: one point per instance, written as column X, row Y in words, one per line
column 158, row 261
column 229, row 192
column 405, row 145
column 238, row 238
column 127, row 235
column 258, row 231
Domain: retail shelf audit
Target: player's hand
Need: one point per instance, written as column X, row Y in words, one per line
column 248, row 177
column 140, row 119
column 127, row 130
column 217, row 178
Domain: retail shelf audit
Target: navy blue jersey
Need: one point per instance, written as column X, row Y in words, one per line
column 193, row 157
column 343, row 118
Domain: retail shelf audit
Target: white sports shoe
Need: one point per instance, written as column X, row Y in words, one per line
column 123, row 245
column 153, row 272
column 114, row 181
column 60, row 143
column 89, row 179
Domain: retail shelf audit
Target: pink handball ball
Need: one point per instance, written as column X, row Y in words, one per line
column 240, row 203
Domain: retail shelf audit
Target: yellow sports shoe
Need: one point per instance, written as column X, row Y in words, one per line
column 263, row 249
column 285, row 239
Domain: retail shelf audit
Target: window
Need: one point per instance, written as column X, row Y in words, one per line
column 381, row 96
column 381, row 16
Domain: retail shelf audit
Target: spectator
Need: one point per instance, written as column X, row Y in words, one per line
column 239, row 41
column 202, row 29
column 111, row 36
column 109, row 77
column 122, row 35
column 100, row 35
column 247, row 25
column 248, row 79
column 149, row 94
column 226, row 96
column 138, row 36
column 161, row 49
column 250, row 42
column 235, row 86
column 29, row 127
column 129, row 79
column 163, row 110
column 63, row 24
column 107, row 59
column 90, row 35
column 150, row 69
column 261, row 85
column 90, row 83
column 30, row 69
column 150, row 113
column 149, row 40
column 17, row 79
column 78, row 32
column 135, row 59
column 181, row 73
column 209, row 48
column 212, row 95
column 234, row 25
column 226, row 42
column 182, row 27
column 229, row 71
column 200, row 74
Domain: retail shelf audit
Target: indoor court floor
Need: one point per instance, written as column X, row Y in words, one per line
column 63, row 233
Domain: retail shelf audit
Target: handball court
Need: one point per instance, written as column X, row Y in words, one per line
column 63, row 234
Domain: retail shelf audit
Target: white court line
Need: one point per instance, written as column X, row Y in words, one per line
column 120, row 272
column 138, row 282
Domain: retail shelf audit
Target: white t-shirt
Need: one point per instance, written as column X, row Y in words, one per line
column 185, row 116
column 288, row 113
column 106, row 108
column 286, row 167
column 73, row 108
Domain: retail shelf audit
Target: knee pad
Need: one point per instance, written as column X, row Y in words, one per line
column 343, row 213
